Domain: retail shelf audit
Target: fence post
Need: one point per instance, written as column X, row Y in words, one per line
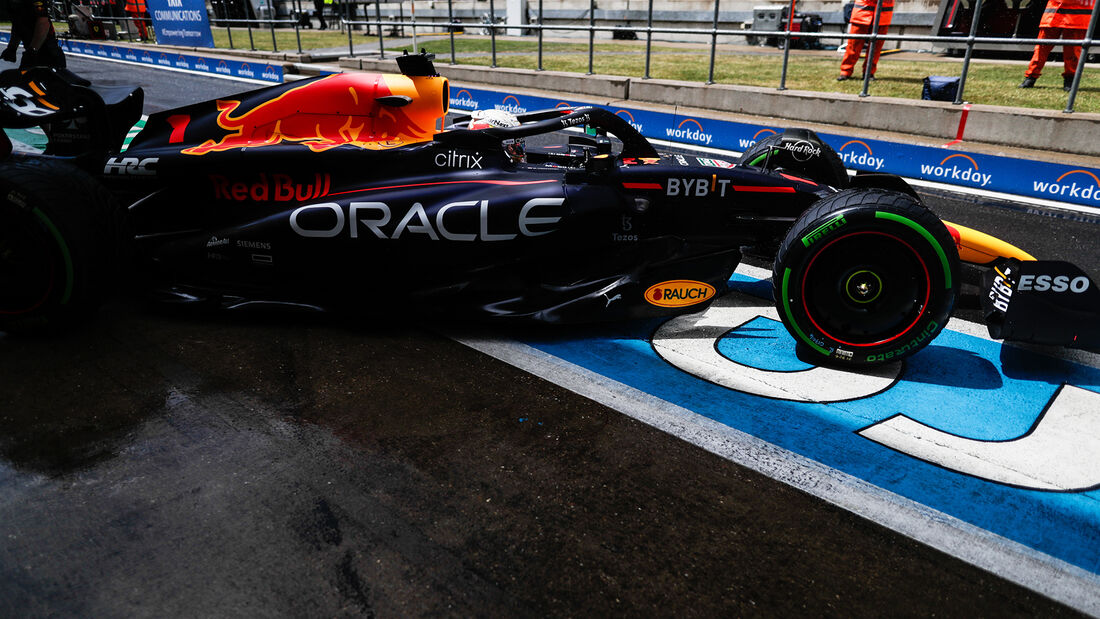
column 1082, row 61
column 493, row 32
column 969, row 51
column 871, row 59
column 786, row 47
column 229, row 31
column 298, row 30
column 451, row 28
column 381, row 37
column 347, row 18
column 274, row 43
column 540, row 35
column 713, row 42
column 648, row 39
column 591, row 35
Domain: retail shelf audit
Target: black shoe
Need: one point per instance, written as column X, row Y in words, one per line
column 843, row 78
column 1067, row 82
column 1029, row 82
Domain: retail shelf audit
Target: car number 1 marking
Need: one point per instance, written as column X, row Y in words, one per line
column 1061, row 452
column 689, row 343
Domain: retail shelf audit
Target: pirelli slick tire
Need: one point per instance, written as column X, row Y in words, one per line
column 864, row 277
column 59, row 238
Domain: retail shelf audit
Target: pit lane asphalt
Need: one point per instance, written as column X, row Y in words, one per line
column 156, row 464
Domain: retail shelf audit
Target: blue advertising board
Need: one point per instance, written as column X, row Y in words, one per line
column 181, row 22
column 229, row 67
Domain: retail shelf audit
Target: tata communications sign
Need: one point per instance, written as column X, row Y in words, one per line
column 181, row 22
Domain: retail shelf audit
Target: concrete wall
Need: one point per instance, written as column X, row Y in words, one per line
column 910, row 16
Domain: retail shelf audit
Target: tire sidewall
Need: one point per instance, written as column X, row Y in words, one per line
column 35, row 221
column 880, row 213
column 53, row 198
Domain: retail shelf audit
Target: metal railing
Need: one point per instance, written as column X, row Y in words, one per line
column 490, row 25
column 249, row 25
column 714, row 32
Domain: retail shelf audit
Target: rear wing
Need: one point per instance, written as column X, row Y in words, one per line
column 79, row 119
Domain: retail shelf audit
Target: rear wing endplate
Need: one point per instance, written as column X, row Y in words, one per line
column 95, row 119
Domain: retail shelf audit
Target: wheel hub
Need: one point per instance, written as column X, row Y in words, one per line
column 863, row 286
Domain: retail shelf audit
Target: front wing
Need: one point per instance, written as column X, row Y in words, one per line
column 1041, row 301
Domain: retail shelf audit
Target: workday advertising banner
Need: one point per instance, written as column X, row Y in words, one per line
column 181, row 22
column 173, row 60
column 1037, row 179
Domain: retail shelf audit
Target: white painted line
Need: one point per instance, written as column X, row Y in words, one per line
column 1024, row 566
column 1061, row 453
column 1008, row 197
column 688, row 342
column 1049, row 576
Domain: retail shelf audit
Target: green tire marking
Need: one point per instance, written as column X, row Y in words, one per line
column 764, row 155
column 791, row 320
column 65, row 255
column 927, row 236
column 817, row 233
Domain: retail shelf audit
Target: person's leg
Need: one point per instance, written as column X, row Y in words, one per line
column 1071, row 54
column 873, row 58
column 1039, row 56
column 851, row 53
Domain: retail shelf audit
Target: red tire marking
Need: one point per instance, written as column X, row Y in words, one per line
column 927, row 290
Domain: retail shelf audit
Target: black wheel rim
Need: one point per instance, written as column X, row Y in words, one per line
column 865, row 288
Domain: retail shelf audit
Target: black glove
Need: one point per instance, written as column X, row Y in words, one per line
column 8, row 54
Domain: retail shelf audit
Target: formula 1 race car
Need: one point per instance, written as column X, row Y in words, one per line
column 349, row 191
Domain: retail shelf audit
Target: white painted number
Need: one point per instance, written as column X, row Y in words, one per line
column 1060, row 453
column 688, row 342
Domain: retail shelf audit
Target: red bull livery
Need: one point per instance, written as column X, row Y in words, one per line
column 349, row 192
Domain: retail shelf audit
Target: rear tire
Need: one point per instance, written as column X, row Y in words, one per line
column 59, row 242
column 801, row 152
column 865, row 277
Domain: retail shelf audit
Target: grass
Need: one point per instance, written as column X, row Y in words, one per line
column 285, row 39
column 321, row 39
column 986, row 83
column 992, row 83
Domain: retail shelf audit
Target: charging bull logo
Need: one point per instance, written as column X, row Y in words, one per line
column 368, row 111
